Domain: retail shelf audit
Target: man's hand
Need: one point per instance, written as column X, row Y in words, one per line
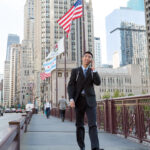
column 72, row 103
column 93, row 65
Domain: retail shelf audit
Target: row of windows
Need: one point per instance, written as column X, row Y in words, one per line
column 113, row 90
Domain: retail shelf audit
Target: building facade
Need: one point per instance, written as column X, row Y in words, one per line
column 25, row 81
column 134, row 46
column 12, row 39
column 126, row 79
column 113, row 29
column 48, row 33
column 29, row 20
column 6, row 84
column 1, row 89
column 136, row 4
column 97, row 51
column 15, row 49
column 147, row 18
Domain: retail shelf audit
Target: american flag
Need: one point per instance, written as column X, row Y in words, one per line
column 74, row 13
column 44, row 75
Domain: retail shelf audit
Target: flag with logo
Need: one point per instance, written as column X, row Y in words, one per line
column 50, row 65
column 58, row 49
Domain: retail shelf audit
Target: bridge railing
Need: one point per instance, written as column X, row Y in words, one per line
column 16, row 128
column 128, row 116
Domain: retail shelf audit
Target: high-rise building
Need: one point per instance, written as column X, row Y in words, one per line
column 1, row 89
column 147, row 17
column 114, row 30
column 134, row 46
column 25, row 79
column 6, row 89
column 29, row 20
column 14, row 58
column 97, row 51
column 12, row 39
column 48, row 33
column 116, row 60
column 136, row 4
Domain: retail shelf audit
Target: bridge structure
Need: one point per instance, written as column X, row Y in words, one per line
column 123, row 124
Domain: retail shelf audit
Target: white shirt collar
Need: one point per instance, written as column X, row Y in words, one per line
column 84, row 68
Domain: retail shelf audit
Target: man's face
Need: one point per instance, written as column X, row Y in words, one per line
column 86, row 59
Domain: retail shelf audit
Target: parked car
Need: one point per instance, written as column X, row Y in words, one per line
column 13, row 110
column 7, row 110
column 18, row 110
column 1, row 111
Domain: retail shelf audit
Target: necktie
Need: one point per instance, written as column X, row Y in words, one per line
column 85, row 71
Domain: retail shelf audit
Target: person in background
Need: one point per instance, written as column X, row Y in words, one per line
column 62, row 107
column 47, row 108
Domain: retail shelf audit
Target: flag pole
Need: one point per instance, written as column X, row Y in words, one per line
column 56, row 84
column 65, row 80
column 83, row 25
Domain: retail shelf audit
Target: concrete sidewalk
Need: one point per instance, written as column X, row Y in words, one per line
column 52, row 134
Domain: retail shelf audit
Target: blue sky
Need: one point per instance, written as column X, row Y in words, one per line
column 12, row 17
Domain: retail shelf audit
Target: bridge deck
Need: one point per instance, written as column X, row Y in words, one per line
column 52, row 134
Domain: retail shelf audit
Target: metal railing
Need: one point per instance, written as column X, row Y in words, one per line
column 128, row 116
column 15, row 130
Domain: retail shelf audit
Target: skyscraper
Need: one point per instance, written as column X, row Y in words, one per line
column 136, row 4
column 134, row 46
column 12, row 39
column 113, row 29
column 48, row 33
column 29, row 20
column 147, row 17
column 97, row 51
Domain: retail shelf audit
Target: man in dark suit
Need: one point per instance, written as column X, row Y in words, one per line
column 82, row 97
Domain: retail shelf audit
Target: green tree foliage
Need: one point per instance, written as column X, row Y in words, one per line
column 106, row 95
column 116, row 94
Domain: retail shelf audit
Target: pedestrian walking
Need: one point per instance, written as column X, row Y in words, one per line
column 62, row 107
column 47, row 109
column 82, row 97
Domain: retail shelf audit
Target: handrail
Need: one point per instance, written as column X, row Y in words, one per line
column 12, row 138
column 128, row 116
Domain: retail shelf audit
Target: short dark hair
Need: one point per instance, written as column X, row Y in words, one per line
column 88, row 52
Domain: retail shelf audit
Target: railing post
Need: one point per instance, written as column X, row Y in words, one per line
column 111, row 117
column 125, row 121
column 16, row 123
column 106, row 123
column 139, row 122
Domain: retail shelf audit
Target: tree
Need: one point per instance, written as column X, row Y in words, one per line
column 130, row 94
column 106, row 95
column 116, row 94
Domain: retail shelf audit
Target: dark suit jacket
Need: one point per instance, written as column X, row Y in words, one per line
column 76, row 86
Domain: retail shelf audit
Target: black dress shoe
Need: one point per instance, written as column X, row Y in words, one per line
column 82, row 149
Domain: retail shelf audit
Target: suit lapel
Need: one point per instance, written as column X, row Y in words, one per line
column 88, row 73
column 82, row 74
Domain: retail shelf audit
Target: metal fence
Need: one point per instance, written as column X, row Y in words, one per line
column 129, row 116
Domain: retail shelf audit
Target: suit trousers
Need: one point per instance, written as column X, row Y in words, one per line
column 82, row 108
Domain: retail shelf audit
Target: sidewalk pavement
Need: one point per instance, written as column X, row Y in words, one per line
column 52, row 134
